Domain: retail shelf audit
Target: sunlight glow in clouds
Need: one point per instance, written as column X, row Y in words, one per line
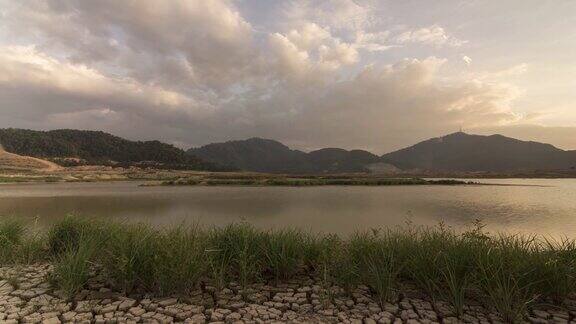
column 355, row 74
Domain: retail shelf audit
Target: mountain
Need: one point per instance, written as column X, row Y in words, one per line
column 334, row 160
column 78, row 147
column 254, row 154
column 264, row 155
column 471, row 153
column 458, row 152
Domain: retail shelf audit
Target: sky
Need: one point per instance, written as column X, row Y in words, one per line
column 357, row 74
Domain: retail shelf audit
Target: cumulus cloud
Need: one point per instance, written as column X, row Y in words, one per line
column 432, row 35
column 310, row 52
column 193, row 72
column 178, row 42
column 35, row 86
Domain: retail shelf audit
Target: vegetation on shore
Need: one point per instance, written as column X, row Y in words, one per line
column 507, row 273
column 155, row 177
column 237, row 179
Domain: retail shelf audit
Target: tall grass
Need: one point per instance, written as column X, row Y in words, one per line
column 11, row 235
column 508, row 273
column 284, row 252
column 378, row 261
column 18, row 244
column 130, row 256
column 234, row 252
column 180, row 262
column 556, row 268
column 72, row 266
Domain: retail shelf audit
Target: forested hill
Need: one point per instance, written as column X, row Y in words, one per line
column 265, row 155
column 471, row 153
column 68, row 146
column 457, row 152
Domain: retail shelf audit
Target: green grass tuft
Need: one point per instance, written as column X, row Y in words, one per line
column 72, row 266
column 283, row 252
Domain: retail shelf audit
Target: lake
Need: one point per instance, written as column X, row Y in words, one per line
column 540, row 206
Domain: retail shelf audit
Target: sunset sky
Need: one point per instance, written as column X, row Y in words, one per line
column 370, row 74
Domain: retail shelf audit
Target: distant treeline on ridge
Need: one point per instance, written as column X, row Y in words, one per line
column 78, row 147
column 458, row 152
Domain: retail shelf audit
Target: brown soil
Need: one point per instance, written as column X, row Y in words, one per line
column 19, row 162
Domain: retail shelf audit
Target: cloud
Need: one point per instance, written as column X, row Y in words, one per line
column 35, row 86
column 374, row 42
column 309, row 52
column 388, row 106
column 433, row 35
column 513, row 71
column 338, row 14
column 175, row 43
column 193, row 72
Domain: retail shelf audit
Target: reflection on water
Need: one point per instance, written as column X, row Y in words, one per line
column 548, row 209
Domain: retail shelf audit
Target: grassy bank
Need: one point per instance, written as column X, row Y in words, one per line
column 302, row 181
column 506, row 273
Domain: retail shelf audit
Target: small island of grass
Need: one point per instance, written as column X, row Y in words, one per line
column 239, row 179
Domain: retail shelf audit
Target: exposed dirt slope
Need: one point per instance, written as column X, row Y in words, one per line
column 15, row 161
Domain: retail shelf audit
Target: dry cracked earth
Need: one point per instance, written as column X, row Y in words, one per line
column 26, row 296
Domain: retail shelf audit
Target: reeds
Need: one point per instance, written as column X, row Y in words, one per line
column 507, row 273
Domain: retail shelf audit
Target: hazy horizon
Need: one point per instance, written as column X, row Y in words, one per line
column 363, row 74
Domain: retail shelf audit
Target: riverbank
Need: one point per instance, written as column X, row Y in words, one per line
column 239, row 272
column 92, row 174
column 153, row 177
column 158, row 177
column 300, row 181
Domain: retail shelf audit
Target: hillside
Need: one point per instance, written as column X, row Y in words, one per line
column 78, row 147
column 264, row 155
column 333, row 160
column 458, row 152
column 254, row 154
column 18, row 162
column 471, row 153
column 454, row 153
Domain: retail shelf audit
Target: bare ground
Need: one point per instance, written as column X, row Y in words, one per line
column 19, row 162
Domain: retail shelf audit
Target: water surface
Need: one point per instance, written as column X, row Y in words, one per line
column 546, row 207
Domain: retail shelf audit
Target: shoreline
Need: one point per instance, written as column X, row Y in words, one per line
column 304, row 181
column 301, row 300
column 190, row 177
column 423, row 275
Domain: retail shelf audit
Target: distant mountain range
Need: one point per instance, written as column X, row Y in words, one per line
column 458, row 152
column 264, row 155
column 469, row 153
column 70, row 147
